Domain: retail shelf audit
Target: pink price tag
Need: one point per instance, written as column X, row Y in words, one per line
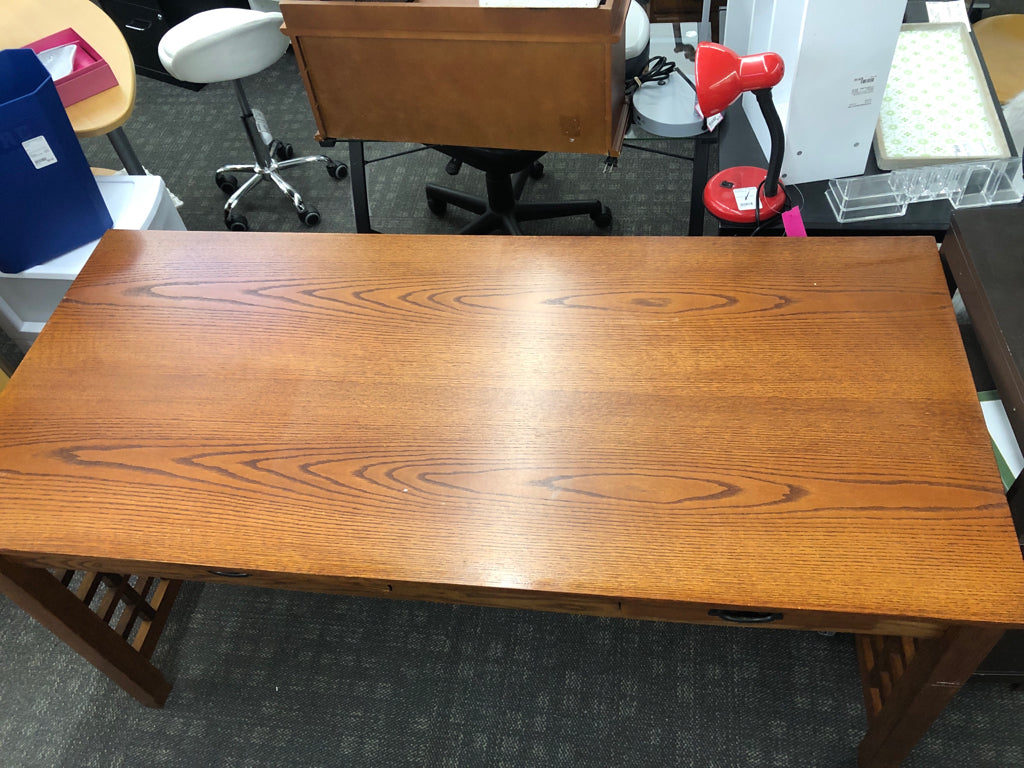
column 793, row 223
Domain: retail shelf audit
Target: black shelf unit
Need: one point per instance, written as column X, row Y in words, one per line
column 144, row 22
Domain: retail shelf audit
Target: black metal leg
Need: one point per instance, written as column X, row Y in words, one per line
column 701, row 155
column 360, row 202
column 125, row 152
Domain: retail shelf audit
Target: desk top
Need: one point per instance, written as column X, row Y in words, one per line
column 655, row 423
column 25, row 21
column 985, row 251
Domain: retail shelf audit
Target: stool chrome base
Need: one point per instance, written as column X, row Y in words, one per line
column 270, row 156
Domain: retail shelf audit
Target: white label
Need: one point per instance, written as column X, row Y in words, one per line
column 969, row 149
column 746, row 198
column 714, row 120
column 947, row 11
column 39, row 152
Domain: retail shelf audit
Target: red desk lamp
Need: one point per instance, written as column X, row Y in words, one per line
column 744, row 194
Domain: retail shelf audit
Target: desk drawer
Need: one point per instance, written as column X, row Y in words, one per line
column 142, row 25
column 594, row 605
column 690, row 613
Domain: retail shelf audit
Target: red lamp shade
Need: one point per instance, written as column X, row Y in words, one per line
column 722, row 75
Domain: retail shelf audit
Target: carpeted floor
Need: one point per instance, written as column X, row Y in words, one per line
column 264, row 678
column 268, row 678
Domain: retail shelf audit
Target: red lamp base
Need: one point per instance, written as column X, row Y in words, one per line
column 729, row 195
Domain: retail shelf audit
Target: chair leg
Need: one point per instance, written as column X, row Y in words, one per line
column 510, row 225
column 502, row 209
column 471, row 203
column 252, row 181
column 483, row 225
column 556, row 210
column 266, row 166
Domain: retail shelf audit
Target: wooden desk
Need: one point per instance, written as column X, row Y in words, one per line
column 778, row 432
column 985, row 253
column 25, row 21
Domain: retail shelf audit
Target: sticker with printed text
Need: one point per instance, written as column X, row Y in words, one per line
column 746, row 198
column 39, row 152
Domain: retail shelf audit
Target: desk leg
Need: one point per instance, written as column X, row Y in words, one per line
column 69, row 616
column 701, row 157
column 360, row 201
column 908, row 682
column 126, row 152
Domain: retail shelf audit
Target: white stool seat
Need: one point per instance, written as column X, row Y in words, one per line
column 638, row 30
column 223, row 44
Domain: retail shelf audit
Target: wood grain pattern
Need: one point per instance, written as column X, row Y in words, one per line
column 785, row 425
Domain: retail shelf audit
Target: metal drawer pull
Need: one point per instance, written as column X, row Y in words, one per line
column 231, row 574
column 138, row 25
column 745, row 617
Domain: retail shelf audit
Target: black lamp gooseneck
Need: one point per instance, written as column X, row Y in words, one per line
column 778, row 139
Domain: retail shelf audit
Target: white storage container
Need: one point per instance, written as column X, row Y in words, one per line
column 837, row 55
column 27, row 299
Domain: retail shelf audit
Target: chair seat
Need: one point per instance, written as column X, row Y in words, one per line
column 222, row 44
column 495, row 160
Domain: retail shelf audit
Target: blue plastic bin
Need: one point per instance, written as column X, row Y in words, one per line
column 49, row 200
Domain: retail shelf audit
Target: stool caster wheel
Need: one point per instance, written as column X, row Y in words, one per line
column 281, row 151
column 309, row 216
column 452, row 167
column 236, row 223
column 337, row 170
column 602, row 219
column 536, row 170
column 228, row 184
column 437, row 207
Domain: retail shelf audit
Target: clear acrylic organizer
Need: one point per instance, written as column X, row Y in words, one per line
column 965, row 185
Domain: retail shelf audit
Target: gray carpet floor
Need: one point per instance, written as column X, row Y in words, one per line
column 264, row 678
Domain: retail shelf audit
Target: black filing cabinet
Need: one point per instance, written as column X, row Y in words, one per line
column 144, row 22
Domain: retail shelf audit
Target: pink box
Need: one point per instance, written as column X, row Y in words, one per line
column 90, row 74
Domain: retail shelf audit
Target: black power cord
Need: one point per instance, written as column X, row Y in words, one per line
column 656, row 70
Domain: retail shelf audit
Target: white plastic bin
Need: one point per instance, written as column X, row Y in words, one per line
column 27, row 299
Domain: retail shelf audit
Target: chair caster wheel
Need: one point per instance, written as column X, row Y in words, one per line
column 437, row 207
column 337, row 170
column 309, row 216
column 536, row 170
column 282, row 151
column 228, row 184
column 236, row 223
column 602, row 219
column 452, row 167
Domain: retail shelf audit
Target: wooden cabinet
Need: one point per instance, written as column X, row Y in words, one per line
column 451, row 72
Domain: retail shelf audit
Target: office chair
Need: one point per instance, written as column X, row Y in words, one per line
column 227, row 44
column 501, row 209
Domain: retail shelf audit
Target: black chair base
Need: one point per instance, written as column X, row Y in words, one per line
column 501, row 209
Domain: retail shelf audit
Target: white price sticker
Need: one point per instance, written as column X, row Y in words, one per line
column 39, row 152
column 746, row 198
column 969, row 149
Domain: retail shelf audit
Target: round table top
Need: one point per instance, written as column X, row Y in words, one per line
column 1001, row 39
column 26, row 21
